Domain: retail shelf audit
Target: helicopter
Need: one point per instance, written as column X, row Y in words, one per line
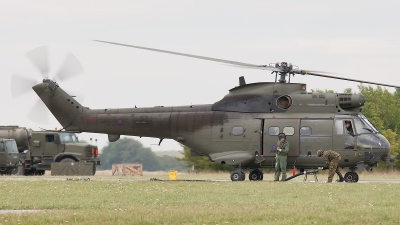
column 241, row 129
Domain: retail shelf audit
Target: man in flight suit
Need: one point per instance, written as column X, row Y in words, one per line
column 332, row 159
column 281, row 157
column 349, row 128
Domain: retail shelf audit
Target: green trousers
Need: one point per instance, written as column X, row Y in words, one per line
column 334, row 167
column 280, row 166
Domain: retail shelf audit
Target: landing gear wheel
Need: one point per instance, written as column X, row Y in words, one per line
column 256, row 175
column 236, row 176
column 355, row 177
column 351, row 177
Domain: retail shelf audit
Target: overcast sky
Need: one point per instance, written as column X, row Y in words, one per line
column 355, row 39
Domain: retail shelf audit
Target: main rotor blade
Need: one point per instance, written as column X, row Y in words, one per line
column 70, row 68
column 315, row 73
column 40, row 59
column 21, row 85
column 199, row 57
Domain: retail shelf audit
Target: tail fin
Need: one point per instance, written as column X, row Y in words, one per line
column 64, row 107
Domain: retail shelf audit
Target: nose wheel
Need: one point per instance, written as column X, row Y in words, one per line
column 351, row 177
column 238, row 175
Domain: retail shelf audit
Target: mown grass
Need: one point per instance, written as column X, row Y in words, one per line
column 126, row 201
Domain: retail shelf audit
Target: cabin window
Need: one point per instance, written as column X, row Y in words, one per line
column 273, row 131
column 237, row 131
column 49, row 138
column 320, row 127
column 288, row 131
column 305, row 131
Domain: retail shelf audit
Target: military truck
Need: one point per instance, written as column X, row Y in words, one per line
column 9, row 156
column 39, row 149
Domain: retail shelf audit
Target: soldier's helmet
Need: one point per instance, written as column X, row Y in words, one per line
column 320, row 153
column 281, row 135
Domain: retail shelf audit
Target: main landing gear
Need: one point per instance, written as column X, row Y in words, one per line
column 256, row 175
column 351, row 177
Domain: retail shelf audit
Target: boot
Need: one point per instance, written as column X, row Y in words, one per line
column 341, row 178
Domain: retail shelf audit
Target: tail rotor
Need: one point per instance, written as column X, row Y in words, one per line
column 22, row 85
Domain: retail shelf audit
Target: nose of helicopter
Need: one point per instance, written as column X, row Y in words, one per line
column 386, row 151
column 376, row 146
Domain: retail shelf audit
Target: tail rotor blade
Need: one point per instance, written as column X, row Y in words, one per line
column 70, row 68
column 39, row 113
column 21, row 85
column 40, row 59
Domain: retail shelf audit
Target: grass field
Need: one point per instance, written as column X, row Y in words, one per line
column 124, row 200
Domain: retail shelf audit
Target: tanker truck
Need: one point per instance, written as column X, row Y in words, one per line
column 9, row 156
column 39, row 149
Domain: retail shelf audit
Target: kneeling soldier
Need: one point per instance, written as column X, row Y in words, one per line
column 332, row 159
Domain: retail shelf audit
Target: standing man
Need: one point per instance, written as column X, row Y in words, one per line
column 332, row 159
column 281, row 157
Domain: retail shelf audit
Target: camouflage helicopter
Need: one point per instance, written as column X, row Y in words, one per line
column 241, row 129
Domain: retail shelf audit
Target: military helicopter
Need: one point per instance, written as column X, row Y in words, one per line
column 241, row 129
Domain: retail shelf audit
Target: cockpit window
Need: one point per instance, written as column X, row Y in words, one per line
column 11, row 147
column 369, row 123
column 363, row 127
column 349, row 127
column 68, row 138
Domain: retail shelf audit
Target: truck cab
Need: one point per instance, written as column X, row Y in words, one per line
column 53, row 146
column 9, row 156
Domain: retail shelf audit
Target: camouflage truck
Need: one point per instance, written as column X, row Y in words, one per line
column 39, row 149
column 9, row 156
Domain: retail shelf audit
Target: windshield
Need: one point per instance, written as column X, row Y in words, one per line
column 68, row 138
column 369, row 123
column 363, row 126
column 11, row 147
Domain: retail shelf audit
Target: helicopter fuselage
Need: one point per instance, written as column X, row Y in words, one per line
column 242, row 128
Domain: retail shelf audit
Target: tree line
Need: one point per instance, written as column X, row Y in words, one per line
column 128, row 150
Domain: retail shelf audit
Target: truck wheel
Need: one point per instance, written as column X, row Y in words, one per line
column 67, row 160
column 14, row 171
column 39, row 172
column 18, row 171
